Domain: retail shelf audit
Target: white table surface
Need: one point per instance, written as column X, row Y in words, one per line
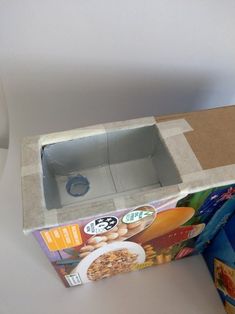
column 28, row 282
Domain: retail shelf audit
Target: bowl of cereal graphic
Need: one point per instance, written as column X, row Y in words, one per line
column 110, row 260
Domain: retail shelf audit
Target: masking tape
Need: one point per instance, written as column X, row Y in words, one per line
column 50, row 217
column 170, row 132
column 130, row 124
column 34, row 146
column 57, row 137
column 183, row 155
column 94, row 130
column 30, row 169
column 119, row 202
column 214, row 174
column 173, row 127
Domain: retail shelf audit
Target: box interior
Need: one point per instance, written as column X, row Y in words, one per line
column 115, row 162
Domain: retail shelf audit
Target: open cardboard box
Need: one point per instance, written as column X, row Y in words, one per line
column 127, row 195
column 115, row 162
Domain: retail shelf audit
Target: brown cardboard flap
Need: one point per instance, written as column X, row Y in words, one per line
column 213, row 135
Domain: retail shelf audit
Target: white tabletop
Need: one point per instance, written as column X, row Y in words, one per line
column 28, row 282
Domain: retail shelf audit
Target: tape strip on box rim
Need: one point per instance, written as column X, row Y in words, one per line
column 166, row 129
column 173, row 134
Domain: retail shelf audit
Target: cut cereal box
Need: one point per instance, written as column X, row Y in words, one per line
column 123, row 196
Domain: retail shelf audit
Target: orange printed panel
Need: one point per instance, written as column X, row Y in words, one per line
column 49, row 240
column 76, row 235
column 62, row 237
column 57, row 237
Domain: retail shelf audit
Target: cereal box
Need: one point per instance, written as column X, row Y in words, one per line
column 117, row 197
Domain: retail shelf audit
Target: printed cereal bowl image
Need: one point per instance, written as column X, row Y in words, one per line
column 109, row 260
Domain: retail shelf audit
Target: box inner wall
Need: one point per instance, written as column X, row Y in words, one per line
column 116, row 162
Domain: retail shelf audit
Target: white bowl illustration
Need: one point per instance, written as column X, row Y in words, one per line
column 82, row 268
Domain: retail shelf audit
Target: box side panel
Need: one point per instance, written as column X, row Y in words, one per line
column 134, row 238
